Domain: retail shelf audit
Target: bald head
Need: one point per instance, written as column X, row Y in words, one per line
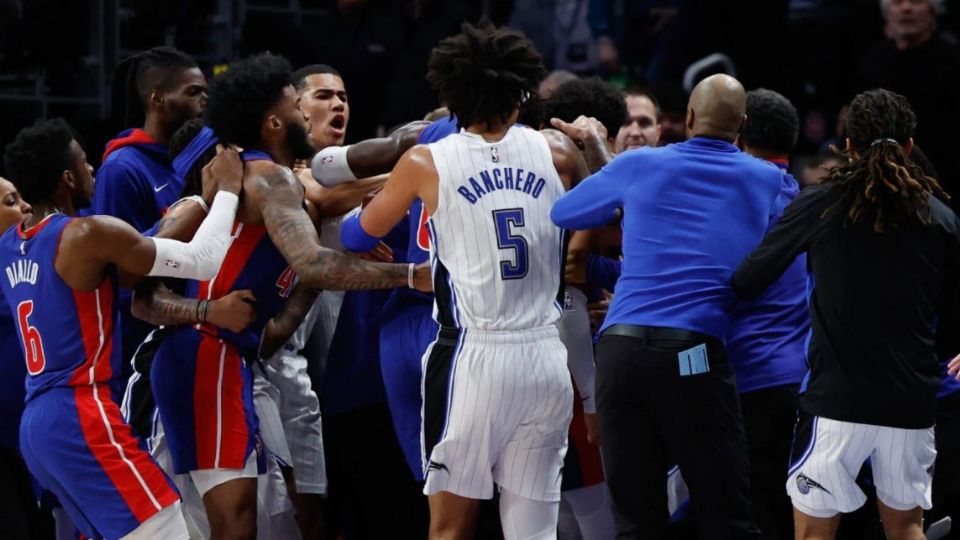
column 716, row 108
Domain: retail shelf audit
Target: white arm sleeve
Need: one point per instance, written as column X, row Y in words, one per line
column 330, row 167
column 201, row 258
column 574, row 327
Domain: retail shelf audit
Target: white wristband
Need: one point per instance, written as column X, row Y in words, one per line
column 330, row 167
column 199, row 200
column 410, row 271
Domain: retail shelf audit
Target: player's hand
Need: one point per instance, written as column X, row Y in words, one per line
column 225, row 170
column 592, row 422
column 423, row 278
column 233, row 312
column 381, row 253
column 582, row 129
column 597, row 311
column 953, row 368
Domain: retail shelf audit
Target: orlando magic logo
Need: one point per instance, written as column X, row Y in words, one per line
column 804, row 484
column 495, row 154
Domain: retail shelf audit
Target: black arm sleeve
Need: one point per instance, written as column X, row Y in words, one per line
column 791, row 236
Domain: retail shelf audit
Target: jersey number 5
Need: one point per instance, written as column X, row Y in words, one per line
column 506, row 239
column 32, row 343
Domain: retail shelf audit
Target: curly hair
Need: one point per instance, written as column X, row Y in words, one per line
column 484, row 73
column 131, row 84
column 37, row 157
column 193, row 181
column 238, row 99
column 772, row 122
column 881, row 182
column 589, row 97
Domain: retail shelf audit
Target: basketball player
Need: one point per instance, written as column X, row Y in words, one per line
column 885, row 256
column 154, row 93
column 62, row 275
column 213, row 435
column 497, row 394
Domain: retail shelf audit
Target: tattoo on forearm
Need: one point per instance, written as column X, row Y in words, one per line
column 158, row 305
column 293, row 233
column 596, row 153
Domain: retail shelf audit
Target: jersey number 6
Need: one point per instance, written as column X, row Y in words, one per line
column 506, row 239
column 32, row 343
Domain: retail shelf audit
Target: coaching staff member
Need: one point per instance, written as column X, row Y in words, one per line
column 665, row 391
column 885, row 257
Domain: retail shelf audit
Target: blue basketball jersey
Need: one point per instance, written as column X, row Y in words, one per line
column 68, row 337
column 252, row 262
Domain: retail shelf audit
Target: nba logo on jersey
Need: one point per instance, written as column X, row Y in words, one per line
column 495, row 154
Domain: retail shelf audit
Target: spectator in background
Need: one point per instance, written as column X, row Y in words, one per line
column 560, row 32
column 641, row 126
column 627, row 40
column 765, row 342
column 922, row 64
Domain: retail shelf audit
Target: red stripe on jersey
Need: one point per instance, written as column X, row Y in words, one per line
column 206, row 421
column 26, row 233
column 233, row 264
column 140, row 482
column 95, row 314
column 591, row 468
column 220, row 426
column 233, row 447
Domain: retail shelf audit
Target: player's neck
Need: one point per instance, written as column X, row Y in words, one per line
column 155, row 128
column 491, row 132
column 280, row 154
column 43, row 211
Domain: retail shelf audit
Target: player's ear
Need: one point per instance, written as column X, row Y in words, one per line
column 155, row 98
column 273, row 123
column 69, row 179
column 691, row 117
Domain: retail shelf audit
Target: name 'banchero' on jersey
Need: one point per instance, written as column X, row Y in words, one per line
column 497, row 258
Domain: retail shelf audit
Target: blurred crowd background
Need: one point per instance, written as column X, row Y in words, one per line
column 57, row 58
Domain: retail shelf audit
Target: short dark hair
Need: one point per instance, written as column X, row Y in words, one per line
column 772, row 122
column 640, row 91
column 130, row 82
column 483, row 73
column 37, row 157
column 589, row 97
column 300, row 75
column 238, row 99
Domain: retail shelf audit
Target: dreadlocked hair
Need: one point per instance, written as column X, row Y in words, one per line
column 882, row 183
column 484, row 73
column 130, row 82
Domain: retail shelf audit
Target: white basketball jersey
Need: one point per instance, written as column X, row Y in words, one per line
column 496, row 256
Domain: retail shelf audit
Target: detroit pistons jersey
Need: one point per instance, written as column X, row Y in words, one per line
column 68, row 337
column 253, row 263
column 495, row 254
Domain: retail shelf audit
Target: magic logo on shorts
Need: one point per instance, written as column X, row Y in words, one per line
column 804, row 483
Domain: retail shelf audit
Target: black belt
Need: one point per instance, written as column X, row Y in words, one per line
column 651, row 333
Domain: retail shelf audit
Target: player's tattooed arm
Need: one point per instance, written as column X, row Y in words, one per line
column 567, row 159
column 377, row 156
column 155, row 303
column 590, row 135
column 279, row 196
column 284, row 324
